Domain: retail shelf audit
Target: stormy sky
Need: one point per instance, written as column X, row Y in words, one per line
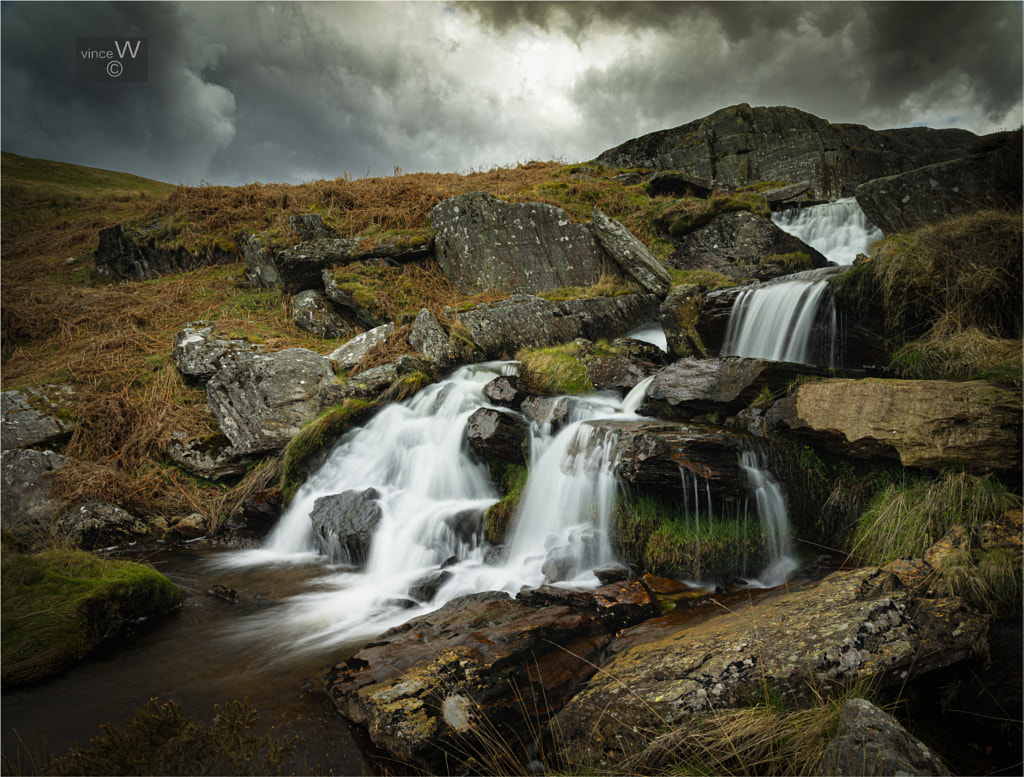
column 244, row 91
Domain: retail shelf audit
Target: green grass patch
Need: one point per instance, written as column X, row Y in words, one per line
column 692, row 213
column 560, row 369
column 706, row 278
column 606, row 286
column 511, row 479
column 797, row 261
column 59, row 605
column 988, row 579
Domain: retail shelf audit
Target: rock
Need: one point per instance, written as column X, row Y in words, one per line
column 262, row 400
column 619, row 373
column 401, row 252
column 618, row 604
column 678, row 316
column 374, row 380
column 344, row 525
column 302, row 267
column 351, row 353
column 506, row 391
column 677, row 184
column 610, row 317
column 640, row 350
column 870, row 741
column 548, row 410
column 434, row 690
column 31, row 419
column 313, row 312
column 426, row 588
column 429, row 338
column 791, row 639
column 358, row 307
column 742, row 245
column 633, row 257
column 129, row 256
column 261, row 510
column 916, row 198
column 468, row 528
column 212, row 458
column 741, row 145
column 499, row 436
column 260, row 268
column 483, row 243
column 187, row 527
column 200, row 350
column 310, row 226
column 924, row 423
column 95, row 524
column 25, row 503
column 784, row 197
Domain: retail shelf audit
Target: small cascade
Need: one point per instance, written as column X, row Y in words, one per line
column 839, row 229
column 790, row 319
column 771, row 510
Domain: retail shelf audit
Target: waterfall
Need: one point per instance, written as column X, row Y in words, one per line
column 839, row 229
column 783, row 320
column 771, row 509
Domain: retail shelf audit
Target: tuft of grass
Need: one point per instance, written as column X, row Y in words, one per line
column 906, row 519
column 988, row 579
column 607, row 286
column 560, row 369
column 794, row 262
column 691, row 213
column 707, row 278
column 60, row 604
column 953, row 353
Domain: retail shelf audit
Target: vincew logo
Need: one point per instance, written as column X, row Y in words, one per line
column 112, row 59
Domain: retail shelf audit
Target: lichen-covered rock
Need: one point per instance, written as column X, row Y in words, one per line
column 347, row 356
column 310, row 226
column 212, row 458
column 548, row 411
column 634, row 258
column 429, row 338
column 841, row 628
column 313, row 312
column 499, row 435
column 124, row 255
column 357, row 305
column 678, row 316
column 31, row 418
column 200, row 350
column 344, row 525
column 507, row 391
column 260, row 267
column 95, row 524
column 25, row 502
column 923, row 423
column 484, row 243
column 870, row 741
column 262, row 400
column 302, row 267
column 619, row 373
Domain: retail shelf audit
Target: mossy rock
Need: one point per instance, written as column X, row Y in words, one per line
column 59, row 605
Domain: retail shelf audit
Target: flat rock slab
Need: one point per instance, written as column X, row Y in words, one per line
column 923, row 423
column 200, row 349
column 29, row 419
column 844, row 627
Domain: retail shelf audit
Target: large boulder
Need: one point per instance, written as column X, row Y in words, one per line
column 904, row 202
column 484, row 243
column 429, row 339
column 260, row 267
column 95, row 524
column 30, row 418
column 313, row 312
column 923, row 423
column 344, row 525
column 678, row 316
column 850, row 626
column 347, row 356
column 740, row 145
column 310, row 226
column 124, row 255
column 262, row 400
column 302, row 267
column 743, row 245
column 634, row 258
column 499, row 435
column 201, row 349
column 25, row 503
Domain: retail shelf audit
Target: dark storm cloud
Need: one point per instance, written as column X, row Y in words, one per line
column 293, row 91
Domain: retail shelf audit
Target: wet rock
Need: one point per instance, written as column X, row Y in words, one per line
column 812, row 632
column 310, row 226
column 619, row 373
column 467, row 526
column 426, row 588
column 923, row 423
column 302, row 267
column 223, row 592
column 483, row 243
column 25, row 503
column 261, row 510
column 30, row 418
column 634, row 258
column 499, row 436
column 506, row 391
column 201, row 349
column 95, row 524
column 261, row 401
column 313, row 312
column 640, row 350
column 124, row 255
column 610, row 317
column 187, row 527
column 549, row 410
column 260, row 267
column 678, row 316
column 351, row 353
column 870, row 741
column 613, row 573
column 429, row 338
column 344, row 525
column 372, row 381
column 432, row 690
column 212, row 458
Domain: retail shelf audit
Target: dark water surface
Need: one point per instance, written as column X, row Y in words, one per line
column 186, row 657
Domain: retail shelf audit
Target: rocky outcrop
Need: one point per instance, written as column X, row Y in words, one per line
column 262, row 400
column 313, row 312
column 302, row 267
column 619, row 373
column 677, row 184
column 310, row 226
column 344, row 524
column 95, row 524
column 349, row 355
column 201, row 349
column 25, row 502
column 932, row 424
column 30, row 419
column 124, row 255
column 678, row 316
column 357, row 306
column 211, row 458
column 633, row 257
column 260, row 267
column 870, row 741
column 844, row 628
column 498, row 435
column 740, row 145
column 429, row 339
column 483, row 243
column 742, row 245
column 904, row 202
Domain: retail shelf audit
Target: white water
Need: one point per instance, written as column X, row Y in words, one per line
column 839, row 229
column 778, row 320
column 771, row 508
column 651, row 333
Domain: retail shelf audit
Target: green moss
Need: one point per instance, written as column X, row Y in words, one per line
column 511, row 479
column 60, row 604
column 795, row 261
column 560, row 369
column 314, row 437
column 709, row 279
column 692, row 213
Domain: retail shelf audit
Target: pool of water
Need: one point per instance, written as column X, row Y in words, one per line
column 191, row 657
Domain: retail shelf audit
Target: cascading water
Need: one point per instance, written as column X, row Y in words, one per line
column 771, row 508
column 839, row 229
